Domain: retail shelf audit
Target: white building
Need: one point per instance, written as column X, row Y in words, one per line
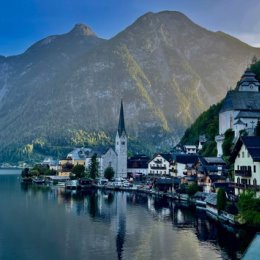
column 190, row 149
column 240, row 109
column 182, row 162
column 117, row 159
column 160, row 164
column 246, row 158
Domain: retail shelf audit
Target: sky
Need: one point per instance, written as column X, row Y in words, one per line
column 23, row 22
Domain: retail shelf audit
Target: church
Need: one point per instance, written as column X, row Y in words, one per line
column 240, row 109
column 115, row 158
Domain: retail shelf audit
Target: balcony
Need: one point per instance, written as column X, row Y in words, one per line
column 243, row 173
column 247, row 187
column 158, row 167
column 158, row 161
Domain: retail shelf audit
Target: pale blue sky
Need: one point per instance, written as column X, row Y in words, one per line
column 23, row 22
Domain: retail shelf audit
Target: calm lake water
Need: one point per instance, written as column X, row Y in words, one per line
column 42, row 223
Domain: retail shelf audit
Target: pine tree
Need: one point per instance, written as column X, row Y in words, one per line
column 93, row 168
column 221, row 199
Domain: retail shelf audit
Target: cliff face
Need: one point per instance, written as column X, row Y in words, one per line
column 68, row 87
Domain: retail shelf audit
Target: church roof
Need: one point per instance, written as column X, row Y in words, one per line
column 241, row 100
column 239, row 122
column 248, row 78
column 121, row 123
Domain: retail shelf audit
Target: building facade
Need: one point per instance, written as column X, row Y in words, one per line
column 246, row 158
column 160, row 164
column 240, row 109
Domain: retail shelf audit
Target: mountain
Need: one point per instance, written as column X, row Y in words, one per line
column 66, row 89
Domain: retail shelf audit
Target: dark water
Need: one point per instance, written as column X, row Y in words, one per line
column 47, row 223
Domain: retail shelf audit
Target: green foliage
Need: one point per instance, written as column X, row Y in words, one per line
column 255, row 67
column 209, row 149
column 109, row 173
column 206, row 123
column 78, row 171
column 93, row 168
column 193, row 188
column 25, row 172
column 43, row 170
column 249, row 208
column 228, row 142
column 221, row 199
column 257, row 129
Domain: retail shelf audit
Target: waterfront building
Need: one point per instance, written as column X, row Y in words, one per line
column 137, row 165
column 246, row 159
column 240, row 109
column 161, row 164
column 183, row 164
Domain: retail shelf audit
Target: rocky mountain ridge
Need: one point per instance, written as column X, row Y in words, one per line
column 66, row 89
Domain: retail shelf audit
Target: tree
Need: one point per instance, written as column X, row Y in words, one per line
column 109, row 173
column 221, row 199
column 78, row 171
column 93, row 168
column 257, row 129
column 228, row 141
column 249, row 208
column 193, row 188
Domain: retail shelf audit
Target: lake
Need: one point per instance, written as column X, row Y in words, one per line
column 47, row 223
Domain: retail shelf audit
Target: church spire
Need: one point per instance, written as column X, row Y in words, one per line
column 121, row 123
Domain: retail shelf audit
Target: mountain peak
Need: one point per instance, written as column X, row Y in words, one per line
column 82, row 30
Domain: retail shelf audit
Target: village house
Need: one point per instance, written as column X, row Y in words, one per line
column 183, row 165
column 210, row 170
column 137, row 165
column 160, row 164
column 240, row 109
column 190, row 149
column 246, row 159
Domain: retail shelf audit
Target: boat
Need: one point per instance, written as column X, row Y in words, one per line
column 38, row 181
column 71, row 184
column 85, row 184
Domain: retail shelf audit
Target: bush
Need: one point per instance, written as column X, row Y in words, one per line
column 109, row 173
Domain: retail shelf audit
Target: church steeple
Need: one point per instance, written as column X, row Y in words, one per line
column 121, row 123
column 121, row 145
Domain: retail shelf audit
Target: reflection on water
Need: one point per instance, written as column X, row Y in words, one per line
column 106, row 225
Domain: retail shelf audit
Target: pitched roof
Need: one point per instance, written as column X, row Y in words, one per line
column 241, row 100
column 248, row 114
column 166, row 156
column 212, row 199
column 121, row 122
column 214, row 160
column 252, row 144
column 186, row 158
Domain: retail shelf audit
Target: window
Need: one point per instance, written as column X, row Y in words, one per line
column 254, row 182
column 238, row 180
column 243, row 181
column 243, row 154
column 254, row 168
column 238, row 167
